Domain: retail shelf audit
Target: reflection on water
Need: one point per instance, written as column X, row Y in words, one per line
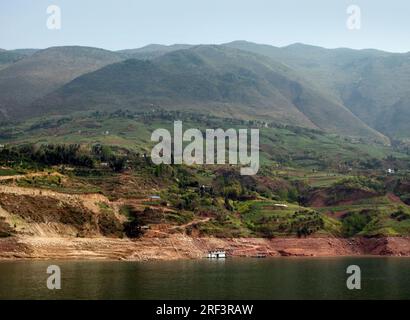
column 279, row 278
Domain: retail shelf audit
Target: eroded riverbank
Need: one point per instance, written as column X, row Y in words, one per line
column 177, row 247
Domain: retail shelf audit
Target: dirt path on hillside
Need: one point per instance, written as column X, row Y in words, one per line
column 142, row 203
column 392, row 197
column 192, row 223
column 165, row 230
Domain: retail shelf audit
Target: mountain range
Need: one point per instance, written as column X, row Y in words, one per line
column 363, row 93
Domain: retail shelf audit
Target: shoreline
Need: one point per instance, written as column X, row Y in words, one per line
column 180, row 247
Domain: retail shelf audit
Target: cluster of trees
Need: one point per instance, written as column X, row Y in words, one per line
column 50, row 123
column 358, row 182
column 46, row 155
column 302, row 223
column 62, row 154
column 372, row 164
column 306, row 223
column 355, row 222
column 400, row 215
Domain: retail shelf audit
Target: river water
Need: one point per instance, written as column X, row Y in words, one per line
column 245, row 279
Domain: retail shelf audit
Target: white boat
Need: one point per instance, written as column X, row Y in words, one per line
column 217, row 254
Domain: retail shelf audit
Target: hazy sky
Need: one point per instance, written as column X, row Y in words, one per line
column 120, row 24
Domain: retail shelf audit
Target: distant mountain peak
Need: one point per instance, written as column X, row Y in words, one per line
column 153, row 50
column 300, row 45
column 240, row 42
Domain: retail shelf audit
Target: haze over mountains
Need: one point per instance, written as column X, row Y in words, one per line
column 362, row 93
column 36, row 75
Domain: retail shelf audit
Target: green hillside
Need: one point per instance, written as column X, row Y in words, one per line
column 373, row 84
column 288, row 146
column 351, row 92
column 44, row 71
column 209, row 79
column 310, row 183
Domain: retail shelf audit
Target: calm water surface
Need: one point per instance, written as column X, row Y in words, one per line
column 246, row 279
